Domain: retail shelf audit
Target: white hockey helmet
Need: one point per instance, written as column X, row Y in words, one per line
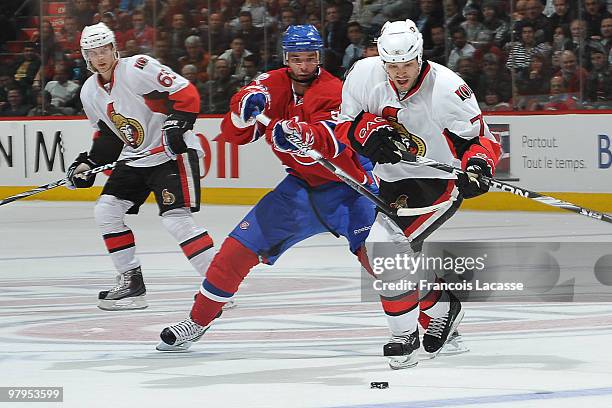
column 95, row 36
column 400, row 41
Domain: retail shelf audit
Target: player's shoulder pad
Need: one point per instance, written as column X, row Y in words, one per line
column 367, row 72
column 450, row 86
column 88, row 88
column 140, row 63
column 274, row 77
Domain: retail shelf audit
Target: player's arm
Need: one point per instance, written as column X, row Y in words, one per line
column 315, row 131
column 239, row 125
column 149, row 77
column 469, row 138
column 369, row 135
column 106, row 148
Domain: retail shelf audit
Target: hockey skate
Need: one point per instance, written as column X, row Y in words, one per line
column 180, row 336
column 128, row 294
column 440, row 328
column 403, row 351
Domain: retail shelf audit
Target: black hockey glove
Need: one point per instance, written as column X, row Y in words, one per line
column 74, row 174
column 381, row 146
column 470, row 183
column 173, row 129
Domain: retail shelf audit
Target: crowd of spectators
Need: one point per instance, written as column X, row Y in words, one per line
column 514, row 54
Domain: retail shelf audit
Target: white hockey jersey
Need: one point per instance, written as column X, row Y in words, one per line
column 439, row 104
column 135, row 105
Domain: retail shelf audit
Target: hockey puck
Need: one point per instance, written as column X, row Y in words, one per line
column 381, row 385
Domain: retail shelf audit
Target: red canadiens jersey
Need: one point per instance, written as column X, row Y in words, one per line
column 319, row 107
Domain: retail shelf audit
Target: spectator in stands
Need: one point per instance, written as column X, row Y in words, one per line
column 562, row 39
column 467, row 72
column 27, row 66
column 142, row 33
column 253, row 36
column 594, row 12
column 494, row 76
column 130, row 5
column 438, row 51
column 196, row 56
column 484, row 45
column 344, row 7
column 287, row 18
column 371, row 47
column 314, row 20
column 62, row 91
column 492, row 22
column 335, row 32
column 46, row 108
column 521, row 52
column 535, row 79
column 228, row 10
column 563, row 15
column 429, row 15
column 235, row 57
column 83, row 10
column 581, row 44
column 461, row 48
column 216, row 39
column 354, row 51
column 559, row 98
column 251, row 69
column 190, row 72
column 599, row 81
column 69, row 38
column 259, row 13
column 218, row 91
column 606, row 36
column 130, row 49
column 16, row 105
column 104, row 6
column 539, row 22
column 51, row 50
column 6, row 82
column 472, row 24
column 162, row 54
column 377, row 12
column 574, row 76
column 452, row 17
column 492, row 102
column 177, row 35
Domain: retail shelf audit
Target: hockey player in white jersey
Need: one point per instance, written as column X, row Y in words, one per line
column 136, row 104
column 398, row 99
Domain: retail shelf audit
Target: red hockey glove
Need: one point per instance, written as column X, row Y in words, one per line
column 477, row 164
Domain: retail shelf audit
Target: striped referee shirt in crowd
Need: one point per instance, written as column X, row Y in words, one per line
column 520, row 55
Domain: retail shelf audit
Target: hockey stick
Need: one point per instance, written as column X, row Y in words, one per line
column 63, row 181
column 346, row 178
column 500, row 185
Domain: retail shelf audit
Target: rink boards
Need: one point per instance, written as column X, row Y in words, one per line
column 568, row 156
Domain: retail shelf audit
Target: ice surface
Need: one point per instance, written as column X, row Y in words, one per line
column 300, row 336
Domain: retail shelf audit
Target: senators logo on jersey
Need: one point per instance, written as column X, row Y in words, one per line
column 130, row 130
column 416, row 144
column 464, row 92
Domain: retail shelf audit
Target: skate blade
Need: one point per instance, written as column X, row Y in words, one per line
column 130, row 303
column 229, row 305
column 402, row 362
column 173, row 348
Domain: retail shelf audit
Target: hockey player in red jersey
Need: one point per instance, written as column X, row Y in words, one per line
column 302, row 99
column 136, row 104
column 398, row 98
